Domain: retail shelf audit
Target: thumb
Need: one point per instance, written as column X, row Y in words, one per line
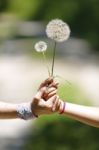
column 40, row 93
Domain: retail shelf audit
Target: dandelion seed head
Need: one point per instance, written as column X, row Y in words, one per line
column 40, row 46
column 58, row 30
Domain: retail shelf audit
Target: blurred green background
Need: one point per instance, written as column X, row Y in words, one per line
column 22, row 23
column 60, row 133
column 81, row 15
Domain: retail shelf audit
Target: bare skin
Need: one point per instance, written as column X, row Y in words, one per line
column 85, row 114
column 41, row 103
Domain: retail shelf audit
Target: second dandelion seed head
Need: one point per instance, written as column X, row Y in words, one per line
column 40, row 46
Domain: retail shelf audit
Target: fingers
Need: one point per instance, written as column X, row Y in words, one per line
column 52, row 100
column 38, row 97
column 47, row 82
column 51, row 88
column 40, row 93
column 56, row 104
column 54, row 84
column 49, row 93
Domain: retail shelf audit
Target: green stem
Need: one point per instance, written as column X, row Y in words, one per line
column 44, row 57
column 57, row 76
column 53, row 61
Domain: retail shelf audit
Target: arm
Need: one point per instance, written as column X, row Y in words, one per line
column 8, row 111
column 11, row 111
column 37, row 107
column 85, row 114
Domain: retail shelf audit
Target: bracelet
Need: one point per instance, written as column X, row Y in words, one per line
column 24, row 111
column 63, row 109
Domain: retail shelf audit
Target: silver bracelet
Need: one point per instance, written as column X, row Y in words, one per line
column 24, row 111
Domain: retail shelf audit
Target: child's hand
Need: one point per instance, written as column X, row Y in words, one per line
column 51, row 88
column 40, row 106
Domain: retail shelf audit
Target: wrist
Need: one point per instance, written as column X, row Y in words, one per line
column 62, row 107
column 34, row 110
column 24, row 111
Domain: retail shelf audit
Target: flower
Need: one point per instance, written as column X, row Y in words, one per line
column 40, row 46
column 58, row 30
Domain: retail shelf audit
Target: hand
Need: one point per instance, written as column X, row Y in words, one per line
column 41, row 107
column 49, row 82
column 51, row 88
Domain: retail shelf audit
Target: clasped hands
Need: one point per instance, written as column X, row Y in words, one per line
column 46, row 101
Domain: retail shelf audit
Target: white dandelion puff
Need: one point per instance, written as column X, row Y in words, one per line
column 58, row 30
column 40, row 46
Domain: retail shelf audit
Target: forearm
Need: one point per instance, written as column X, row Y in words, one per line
column 85, row 114
column 8, row 111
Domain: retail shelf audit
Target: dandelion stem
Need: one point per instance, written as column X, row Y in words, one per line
column 57, row 76
column 45, row 61
column 54, row 50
